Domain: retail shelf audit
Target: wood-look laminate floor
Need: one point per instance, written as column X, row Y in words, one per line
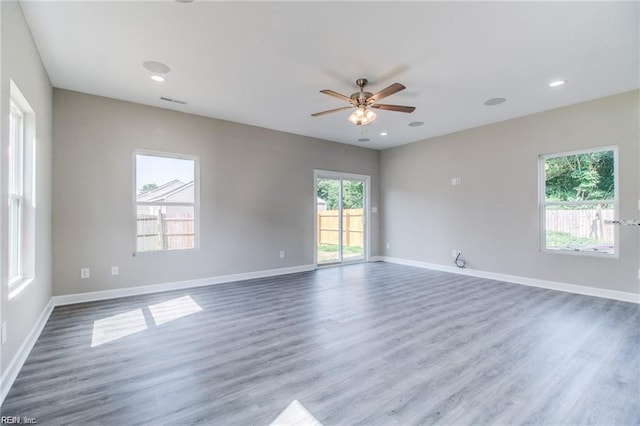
column 368, row 344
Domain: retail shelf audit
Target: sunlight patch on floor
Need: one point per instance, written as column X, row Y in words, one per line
column 295, row 415
column 113, row 328
column 173, row 309
column 117, row 326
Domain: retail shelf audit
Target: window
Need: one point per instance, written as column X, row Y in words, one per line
column 16, row 192
column 166, row 202
column 20, row 193
column 578, row 196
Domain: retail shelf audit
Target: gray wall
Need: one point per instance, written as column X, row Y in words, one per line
column 256, row 193
column 21, row 62
column 493, row 216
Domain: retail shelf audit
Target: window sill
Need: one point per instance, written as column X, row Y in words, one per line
column 584, row 253
column 160, row 252
column 18, row 285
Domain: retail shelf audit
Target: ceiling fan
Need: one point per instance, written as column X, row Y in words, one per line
column 363, row 101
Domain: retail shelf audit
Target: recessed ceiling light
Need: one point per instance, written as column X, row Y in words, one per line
column 557, row 83
column 156, row 67
column 158, row 78
column 364, row 140
column 416, row 123
column 494, row 101
column 383, row 133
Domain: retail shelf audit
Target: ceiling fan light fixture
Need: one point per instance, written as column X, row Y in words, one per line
column 362, row 116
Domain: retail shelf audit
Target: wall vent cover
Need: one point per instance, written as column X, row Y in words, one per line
column 175, row 101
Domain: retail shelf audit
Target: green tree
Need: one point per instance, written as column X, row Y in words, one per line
column 352, row 198
column 580, row 177
column 148, row 187
column 328, row 191
column 352, row 194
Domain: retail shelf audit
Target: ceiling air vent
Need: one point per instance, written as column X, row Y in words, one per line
column 175, row 101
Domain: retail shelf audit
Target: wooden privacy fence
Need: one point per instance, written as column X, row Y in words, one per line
column 583, row 223
column 328, row 227
column 159, row 232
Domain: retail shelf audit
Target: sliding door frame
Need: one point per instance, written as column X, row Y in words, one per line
column 328, row 174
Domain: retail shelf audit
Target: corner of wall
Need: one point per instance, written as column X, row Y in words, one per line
column 25, row 313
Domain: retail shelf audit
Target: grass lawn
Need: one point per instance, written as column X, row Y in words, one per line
column 329, row 252
column 565, row 239
column 334, row 248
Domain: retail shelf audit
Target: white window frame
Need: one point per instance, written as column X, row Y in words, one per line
column 543, row 203
column 21, row 193
column 195, row 204
column 15, row 194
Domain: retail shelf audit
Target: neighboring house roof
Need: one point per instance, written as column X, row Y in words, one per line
column 161, row 191
column 321, row 201
column 176, row 192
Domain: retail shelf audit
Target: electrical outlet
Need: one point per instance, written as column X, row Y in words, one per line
column 456, row 181
column 281, row 254
column 388, row 245
column 84, row 273
column 115, row 270
column 4, row 332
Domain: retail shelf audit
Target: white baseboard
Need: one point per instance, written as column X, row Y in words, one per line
column 11, row 373
column 376, row 259
column 175, row 285
column 533, row 282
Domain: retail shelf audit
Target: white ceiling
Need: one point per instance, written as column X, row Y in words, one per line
column 263, row 63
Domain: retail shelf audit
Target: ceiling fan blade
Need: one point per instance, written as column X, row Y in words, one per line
column 399, row 108
column 317, row 114
column 337, row 95
column 394, row 88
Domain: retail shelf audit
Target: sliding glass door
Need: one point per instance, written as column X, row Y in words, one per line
column 341, row 221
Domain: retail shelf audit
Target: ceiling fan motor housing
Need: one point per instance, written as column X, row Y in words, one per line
column 361, row 98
